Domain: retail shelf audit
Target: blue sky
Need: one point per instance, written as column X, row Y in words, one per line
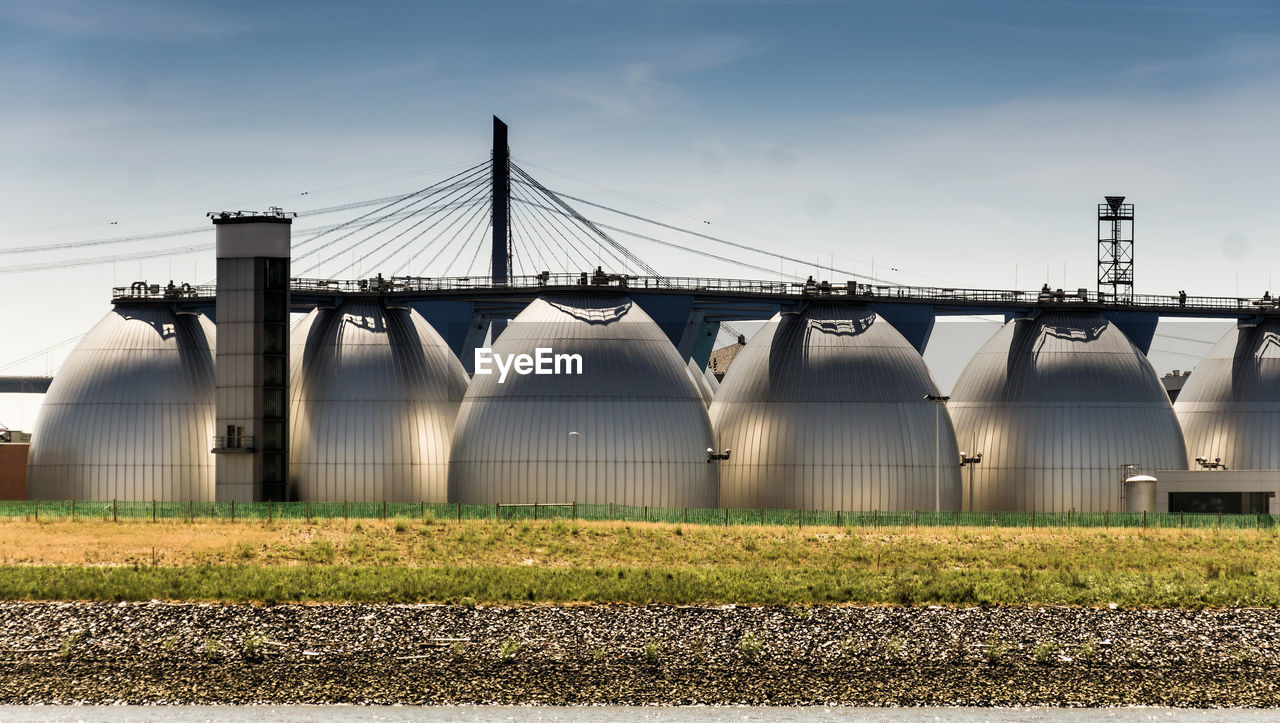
column 963, row 144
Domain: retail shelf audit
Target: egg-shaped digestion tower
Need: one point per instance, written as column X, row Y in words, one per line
column 1230, row 407
column 374, row 396
column 826, row 409
column 630, row 429
column 1058, row 405
column 130, row 413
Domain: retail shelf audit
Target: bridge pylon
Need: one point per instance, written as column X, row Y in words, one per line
column 500, row 206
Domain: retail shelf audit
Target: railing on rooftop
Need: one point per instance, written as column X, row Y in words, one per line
column 409, row 285
column 143, row 291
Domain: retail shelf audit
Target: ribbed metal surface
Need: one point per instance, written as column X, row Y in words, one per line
column 825, row 409
column 374, row 396
column 129, row 415
column 632, row 429
column 1058, row 405
column 1230, row 406
column 700, row 382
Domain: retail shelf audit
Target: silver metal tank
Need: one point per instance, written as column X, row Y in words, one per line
column 1230, row 407
column 1058, row 405
column 1140, row 494
column 631, row 429
column 373, row 399
column 825, row 409
column 130, row 413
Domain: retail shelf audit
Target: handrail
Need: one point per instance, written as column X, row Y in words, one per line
column 142, row 291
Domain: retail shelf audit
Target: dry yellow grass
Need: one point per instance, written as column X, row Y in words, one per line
column 559, row 544
column 563, row 561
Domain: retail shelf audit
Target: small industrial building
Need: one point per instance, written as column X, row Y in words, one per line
column 14, row 449
column 1249, row 491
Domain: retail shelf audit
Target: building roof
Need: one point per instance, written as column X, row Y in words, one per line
column 722, row 358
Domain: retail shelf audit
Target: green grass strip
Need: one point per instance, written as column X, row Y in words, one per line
column 505, row 584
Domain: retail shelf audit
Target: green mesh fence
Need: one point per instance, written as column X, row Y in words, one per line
column 258, row 511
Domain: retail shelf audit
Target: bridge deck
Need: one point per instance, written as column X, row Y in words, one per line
column 309, row 292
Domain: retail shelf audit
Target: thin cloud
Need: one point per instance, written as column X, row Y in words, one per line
column 647, row 84
column 120, row 20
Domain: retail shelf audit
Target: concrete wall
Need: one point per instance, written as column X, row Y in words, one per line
column 1217, row 481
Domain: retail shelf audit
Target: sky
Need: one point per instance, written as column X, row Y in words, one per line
column 930, row 143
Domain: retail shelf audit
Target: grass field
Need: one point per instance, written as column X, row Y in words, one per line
column 563, row 561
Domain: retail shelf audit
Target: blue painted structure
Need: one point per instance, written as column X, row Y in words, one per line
column 466, row 311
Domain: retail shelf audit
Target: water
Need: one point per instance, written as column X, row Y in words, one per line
column 194, row 713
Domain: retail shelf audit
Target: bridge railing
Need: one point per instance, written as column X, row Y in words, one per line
column 142, row 290
column 853, row 289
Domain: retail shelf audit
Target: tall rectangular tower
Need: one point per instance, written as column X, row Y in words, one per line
column 252, row 355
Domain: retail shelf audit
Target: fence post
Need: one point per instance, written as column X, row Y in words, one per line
column 875, row 519
column 344, row 510
column 1033, row 519
column 1180, row 516
column 726, row 517
column 610, row 511
column 384, row 509
column 573, row 510
column 233, row 510
column 459, row 512
column 422, row 510
column 191, row 511
column 308, row 511
column 495, row 511
column 73, row 510
column 957, row 518
column 114, row 518
column 1144, row 519
column 113, row 513
column 686, row 515
column 646, row 513
column 837, row 518
column 535, row 510
column 1106, row 519
column 915, row 518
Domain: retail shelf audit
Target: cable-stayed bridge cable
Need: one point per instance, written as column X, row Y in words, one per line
column 434, row 191
column 583, row 220
column 444, row 211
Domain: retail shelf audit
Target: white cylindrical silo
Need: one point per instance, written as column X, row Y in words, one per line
column 374, row 397
column 1230, row 407
column 631, row 429
column 130, row 413
column 1058, row 405
column 825, row 409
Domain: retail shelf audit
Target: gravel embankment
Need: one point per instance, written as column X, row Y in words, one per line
column 214, row 653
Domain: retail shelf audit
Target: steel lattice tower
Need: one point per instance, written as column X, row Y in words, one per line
column 1115, row 248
